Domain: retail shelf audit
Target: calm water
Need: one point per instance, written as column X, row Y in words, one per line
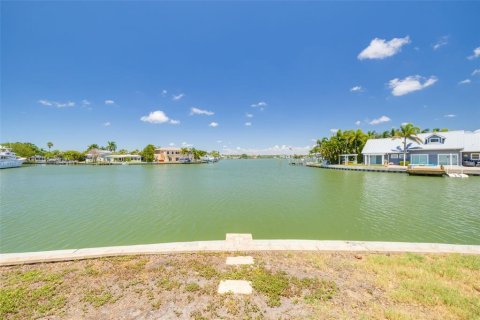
column 55, row 207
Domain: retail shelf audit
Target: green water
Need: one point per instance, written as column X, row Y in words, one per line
column 56, row 207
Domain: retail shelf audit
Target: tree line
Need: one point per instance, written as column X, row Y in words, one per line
column 353, row 141
column 27, row 150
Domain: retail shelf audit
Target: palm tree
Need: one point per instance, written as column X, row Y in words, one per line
column 111, row 146
column 93, row 146
column 407, row 132
column 49, row 145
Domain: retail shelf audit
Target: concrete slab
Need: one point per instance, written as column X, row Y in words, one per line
column 236, row 237
column 235, row 286
column 240, row 260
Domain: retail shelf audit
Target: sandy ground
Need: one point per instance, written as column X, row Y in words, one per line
column 286, row 285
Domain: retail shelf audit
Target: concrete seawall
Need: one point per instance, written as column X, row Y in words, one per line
column 234, row 243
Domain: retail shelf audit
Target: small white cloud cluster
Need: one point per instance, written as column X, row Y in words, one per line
column 198, row 111
column 56, row 104
column 356, row 89
column 442, row 42
column 410, row 84
column 158, row 117
column 213, row 124
column 381, row 49
column 466, row 81
column 380, row 120
column 476, row 54
column 450, row 115
column 178, row 96
column 261, row 104
column 248, row 124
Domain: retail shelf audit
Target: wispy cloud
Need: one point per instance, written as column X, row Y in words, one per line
column 85, row 103
column 381, row 49
column 274, row 150
column 248, row 115
column 186, row 144
column 466, row 81
column 213, row 124
column 410, row 84
column 450, row 115
column 356, row 89
column 56, row 104
column 109, row 102
column 194, row 111
column 248, row 124
column 476, row 54
column 380, row 120
column 178, row 96
column 261, row 104
column 475, row 72
column 164, row 92
column 158, row 117
column 334, row 130
column 358, row 122
column 106, row 124
column 440, row 43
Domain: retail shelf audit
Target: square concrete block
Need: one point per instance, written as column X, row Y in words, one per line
column 235, row 286
column 239, row 260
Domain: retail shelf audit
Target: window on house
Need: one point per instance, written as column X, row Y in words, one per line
column 419, row 159
column 448, row 159
column 434, row 140
column 475, row 156
column 394, row 156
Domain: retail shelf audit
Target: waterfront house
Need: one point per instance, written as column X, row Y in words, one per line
column 120, row 158
column 172, row 155
column 97, row 155
column 437, row 148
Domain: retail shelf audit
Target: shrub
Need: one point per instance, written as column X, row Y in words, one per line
column 406, row 163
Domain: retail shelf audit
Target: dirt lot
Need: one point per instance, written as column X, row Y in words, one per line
column 287, row 285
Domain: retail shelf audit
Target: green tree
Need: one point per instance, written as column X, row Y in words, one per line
column 49, row 145
column 215, row 154
column 93, row 146
column 24, row 149
column 148, row 153
column 407, row 132
column 123, row 151
column 111, row 146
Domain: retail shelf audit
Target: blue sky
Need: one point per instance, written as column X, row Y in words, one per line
column 80, row 73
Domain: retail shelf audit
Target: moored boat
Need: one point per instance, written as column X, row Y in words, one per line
column 9, row 159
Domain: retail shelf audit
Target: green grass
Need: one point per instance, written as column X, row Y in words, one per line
column 192, row 287
column 98, row 298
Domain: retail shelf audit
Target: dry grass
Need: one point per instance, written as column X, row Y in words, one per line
column 287, row 285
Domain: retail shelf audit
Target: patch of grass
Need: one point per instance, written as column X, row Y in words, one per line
column 192, row 287
column 168, row 284
column 318, row 289
column 91, row 271
column 25, row 303
column 98, row 298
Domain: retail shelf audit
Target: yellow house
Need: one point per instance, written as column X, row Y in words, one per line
column 172, row 155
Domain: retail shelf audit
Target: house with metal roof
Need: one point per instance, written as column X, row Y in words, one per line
column 437, row 148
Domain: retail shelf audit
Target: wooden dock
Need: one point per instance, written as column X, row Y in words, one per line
column 426, row 171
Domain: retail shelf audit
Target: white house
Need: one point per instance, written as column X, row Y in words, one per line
column 437, row 148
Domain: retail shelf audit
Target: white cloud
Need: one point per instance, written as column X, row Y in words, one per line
column 380, row 48
column 382, row 119
column 106, row 124
column 85, row 102
column 410, row 84
column 178, row 96
column 333, row 131
column 356, row 89
column 475, row 72
column 358, row 122
column 476, row 54
column 158, row 117
column 109, row 102
column 201, row 112
column 450, row 115
column 213, row 124
column 466, row 81
column 248, row 124
column 249, row 115
column 440, row 43
column 186, row 145
column 260, row 104
column 56, row 104
column 164, row 92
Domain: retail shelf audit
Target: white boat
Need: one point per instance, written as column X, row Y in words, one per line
column 9, row 159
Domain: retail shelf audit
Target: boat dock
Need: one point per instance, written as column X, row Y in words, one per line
column 470, row 171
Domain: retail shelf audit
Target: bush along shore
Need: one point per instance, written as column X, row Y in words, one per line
column 286, row 285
